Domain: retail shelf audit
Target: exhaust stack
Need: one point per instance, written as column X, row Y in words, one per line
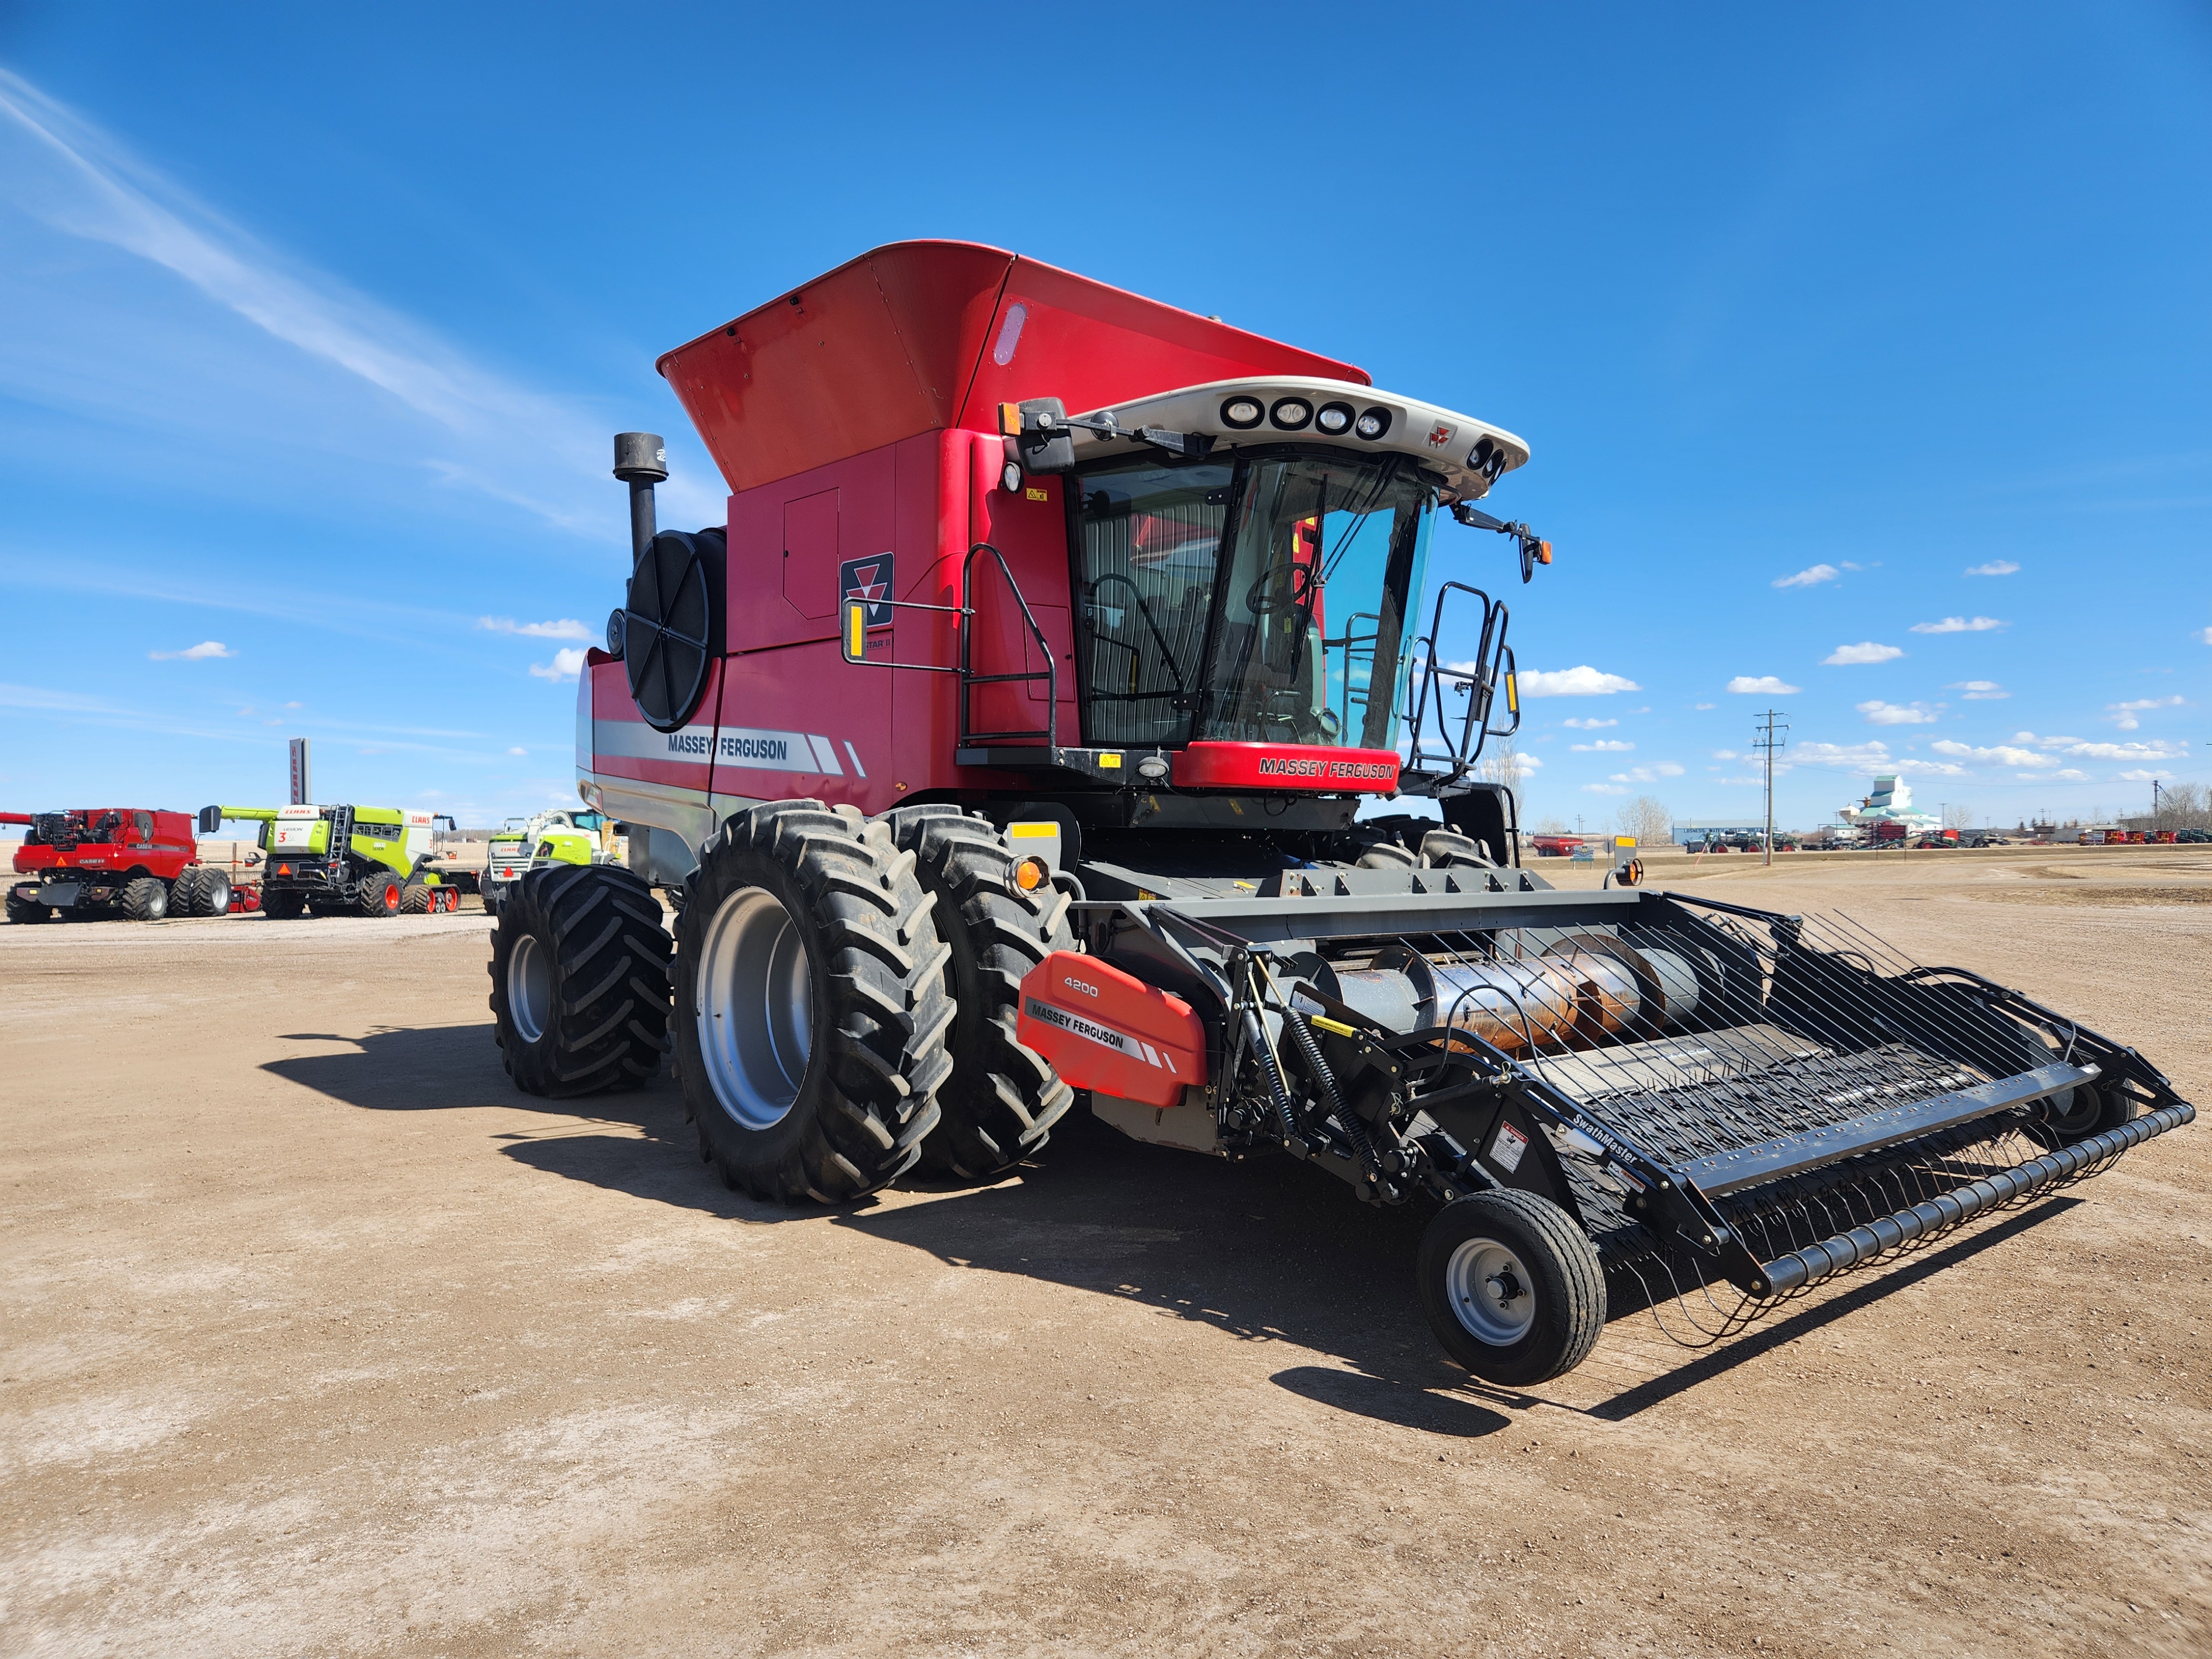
column 641, row 462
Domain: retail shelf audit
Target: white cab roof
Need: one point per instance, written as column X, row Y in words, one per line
column 1469, row 453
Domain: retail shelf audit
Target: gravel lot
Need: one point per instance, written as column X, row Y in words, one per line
column 320, row 1339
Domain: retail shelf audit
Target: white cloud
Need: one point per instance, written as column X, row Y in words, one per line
column 1650, row 774
column 1997, row 755
column 567, row 665
column 566, row 628
column 1871, row 756
column 1978, row 691
column 1726, row 754
column 2206, row 636
column 2140, row 775
column 1959, row 625
column 1529, row 763
column 1581, row 682
column 1589, row 723
column 1994, row 568
column 518, row 751
column 200, row 653
column 1866, row 651
column 2123, row 715
column 1761, row 684
column 1602, row 746
column 1702, row 706
column 2071, row 774
column 1605, row 789
column 2126, row 752
column 1892, row 713
column 1810, row 578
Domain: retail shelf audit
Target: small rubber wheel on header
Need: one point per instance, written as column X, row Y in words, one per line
column 1512, row 1287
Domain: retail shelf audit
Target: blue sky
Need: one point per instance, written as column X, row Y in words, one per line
column 313, row 326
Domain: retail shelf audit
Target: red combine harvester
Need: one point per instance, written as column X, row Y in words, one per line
column 1005, row 747
column 117, row 861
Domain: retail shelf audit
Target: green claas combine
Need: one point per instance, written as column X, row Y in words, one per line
column 340, row 860
column 553, row 838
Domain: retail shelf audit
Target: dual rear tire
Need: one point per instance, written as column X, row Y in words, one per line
column 580, row 981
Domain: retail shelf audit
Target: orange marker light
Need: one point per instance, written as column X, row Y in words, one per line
column 1543, row 552
column 1010, row 420
column 1028, row 874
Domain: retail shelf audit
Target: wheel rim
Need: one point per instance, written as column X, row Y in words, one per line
column 1490, row 1293
column 218, row 898
column 754, row 1008
column 157, row 905
column 530, row 987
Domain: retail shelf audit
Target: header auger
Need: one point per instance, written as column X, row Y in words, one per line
column 997, row 756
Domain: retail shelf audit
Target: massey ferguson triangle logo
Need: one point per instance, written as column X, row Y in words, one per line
column 1439, row 436
column 869, row 578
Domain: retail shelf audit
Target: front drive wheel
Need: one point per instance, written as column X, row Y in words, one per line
column 23, row 910
column 580, row 981
column 812, row 1012
column 378, row 893
column 1003, row 1097
column 1512, row 1287
column 146, row 899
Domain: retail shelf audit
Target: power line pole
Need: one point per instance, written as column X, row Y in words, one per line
column 1768, row 736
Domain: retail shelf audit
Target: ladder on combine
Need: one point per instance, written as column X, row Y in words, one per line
column 341, row 844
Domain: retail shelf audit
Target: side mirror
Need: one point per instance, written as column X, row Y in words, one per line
column 210, row 819
column 1037, row 441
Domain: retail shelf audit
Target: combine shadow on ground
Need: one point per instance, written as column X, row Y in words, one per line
column 1264, row 1251
column 636, row 1141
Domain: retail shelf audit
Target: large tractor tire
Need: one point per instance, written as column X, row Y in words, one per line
column 378, row 893
column 283, row 906
column 812, row 1012
column 1003, row 1097
column 145, row 899
column 23, row 910
column 580, row 981
column 417, row 900
column 213, row 898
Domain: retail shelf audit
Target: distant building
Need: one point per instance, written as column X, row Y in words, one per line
column 1890, row 801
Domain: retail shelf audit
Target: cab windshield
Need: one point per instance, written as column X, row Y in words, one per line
column 1263, row 599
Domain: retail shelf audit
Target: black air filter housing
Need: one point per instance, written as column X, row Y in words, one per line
column 672, row 623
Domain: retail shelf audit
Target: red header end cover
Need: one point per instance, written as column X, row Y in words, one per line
column 1105, row 1030
column 1287, row 766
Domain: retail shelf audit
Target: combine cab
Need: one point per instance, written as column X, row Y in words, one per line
column 559, row 836
column 1003, row 751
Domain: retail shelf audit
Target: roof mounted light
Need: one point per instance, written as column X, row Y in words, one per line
column 1372, row 424
column 1242, row 414
column 1334, row 419
column 1291, row 414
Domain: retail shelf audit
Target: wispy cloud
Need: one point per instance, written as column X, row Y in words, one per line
column 1650, row 774
column 1866, row 651
column 2125, row 715
column 2139, row 774
column 1602, row 746
column 1761, row 685
column 1811, row 577
column 567, row 665
column 1959, row 625
column 1605, row 789
column 1978, row 691
column 1892, row 713
column 199, row 652
column 1994, row 568
column 2080, row 749
column 1581, row 682
column 513, row 445
column 566, row 628
column 1588, row 723
column 1996, row 755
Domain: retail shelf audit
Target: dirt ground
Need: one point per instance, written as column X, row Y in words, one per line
column 317, row 1338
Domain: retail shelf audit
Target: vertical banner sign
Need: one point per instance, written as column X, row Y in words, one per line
column 303, row 785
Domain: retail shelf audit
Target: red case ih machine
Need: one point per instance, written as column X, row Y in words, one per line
column 1005, row 744
column 120, row 860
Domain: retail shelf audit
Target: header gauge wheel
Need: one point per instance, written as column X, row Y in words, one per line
column 1512, row 1287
